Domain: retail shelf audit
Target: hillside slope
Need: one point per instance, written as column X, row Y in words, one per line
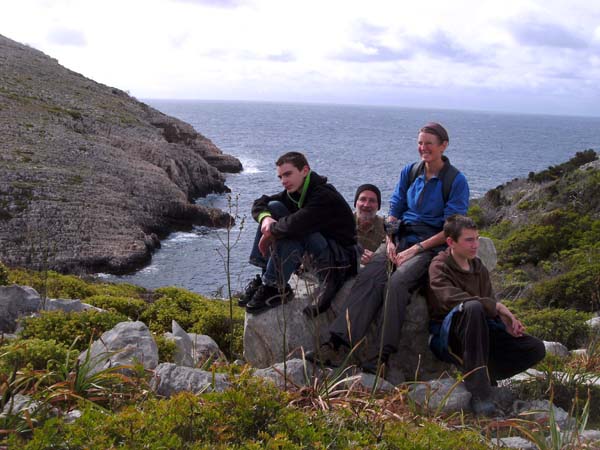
column 89, row 176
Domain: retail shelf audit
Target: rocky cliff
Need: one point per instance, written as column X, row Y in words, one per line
column 90, row 177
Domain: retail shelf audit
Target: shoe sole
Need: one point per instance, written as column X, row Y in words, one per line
column 271, row 302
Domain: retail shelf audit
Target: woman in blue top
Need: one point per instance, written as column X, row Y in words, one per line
column 418, row 208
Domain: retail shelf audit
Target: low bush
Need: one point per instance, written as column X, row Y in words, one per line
column 66, row 327
column 3, row 275
column 579, row 289
column 34, row 354
column 56, row 285
column 251, row 415
column 130, row 307
column 561, row 325
column 166, row 349
column 555, row 172
column 198, row 315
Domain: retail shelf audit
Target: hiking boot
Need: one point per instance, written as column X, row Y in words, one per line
column 328, row 287
column 483, row 407
column 267, row 297
column 326, row 355
column 370, row 365
column 250, row 290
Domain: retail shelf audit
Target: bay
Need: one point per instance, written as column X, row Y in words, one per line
column 351, row 145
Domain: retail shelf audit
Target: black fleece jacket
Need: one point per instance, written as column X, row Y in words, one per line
column 324, row 210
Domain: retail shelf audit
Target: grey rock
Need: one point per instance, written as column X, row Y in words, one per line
column 590, row 436
column 430, row 395
column 89, row 175
column 556, row 348
column 487, row 253
column 69, row 305
column 15, row 302
column 580, row 352
column 368, row 381
column 19, row 403
column 516, row 442
column 594, row 323
column 193, row 349
column 298, row 374
column 170, row 379
column 126, row 343
column 72, row 416
column 263, row 334
column 539, row 410
column 205, row 348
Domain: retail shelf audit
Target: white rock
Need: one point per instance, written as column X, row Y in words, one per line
column 15, row 302
column 487, row 253
column 19, row 403
column 557, row 349
column 539, row 410
column 170, row 379
column 516, row 442
column 431, row 394
column 126, row 343
column 594, row 323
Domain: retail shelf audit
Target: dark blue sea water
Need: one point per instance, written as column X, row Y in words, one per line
column 351, row 145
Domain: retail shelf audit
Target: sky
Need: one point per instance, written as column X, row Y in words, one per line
column 530, row 56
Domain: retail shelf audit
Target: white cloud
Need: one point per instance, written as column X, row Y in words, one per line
column 344, row 51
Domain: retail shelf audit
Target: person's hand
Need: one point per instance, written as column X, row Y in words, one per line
column 265, row 226
column 366, row 257
column 391, row 250
column 264, row 244
column 514, row 327
column 405, row 255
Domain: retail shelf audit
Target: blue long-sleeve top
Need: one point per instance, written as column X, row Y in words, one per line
column 423, row 201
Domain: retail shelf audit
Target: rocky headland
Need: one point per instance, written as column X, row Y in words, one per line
column 90, row 177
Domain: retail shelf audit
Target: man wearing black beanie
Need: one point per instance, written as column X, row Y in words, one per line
column 369, row 225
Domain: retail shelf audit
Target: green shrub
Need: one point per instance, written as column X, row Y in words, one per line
column 555, row 172
column 476, row 213
column 56, row 285
column 166, row 348
column 560, row 325
column 130, row 307
column 579, row 289
column 3, row 275
column 35, row 354
column 66, row 327
column 196, row 314
column 529, row 244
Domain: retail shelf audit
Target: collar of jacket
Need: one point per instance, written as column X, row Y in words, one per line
column 303, row 192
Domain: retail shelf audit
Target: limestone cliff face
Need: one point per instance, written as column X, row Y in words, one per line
column 89, row 176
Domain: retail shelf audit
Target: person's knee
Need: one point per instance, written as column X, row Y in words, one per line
column 538, row 351
column 473, row 309
column 277, row 209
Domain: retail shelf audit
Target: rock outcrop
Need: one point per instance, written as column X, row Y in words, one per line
column 16, row 302
column 91, row 178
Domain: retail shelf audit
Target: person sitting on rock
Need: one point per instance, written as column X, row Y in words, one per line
column 369, row 226
column 309, row 217
column 469, row 327
column 427, row 192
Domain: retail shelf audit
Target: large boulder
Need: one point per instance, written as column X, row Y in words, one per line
column 284, row 331
column 127, row 343
column 446, row 395
column 169, row 379
column 264, row 343
column 15, row 302
column 68, row 305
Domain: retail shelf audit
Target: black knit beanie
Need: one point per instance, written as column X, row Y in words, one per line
column 368, row 187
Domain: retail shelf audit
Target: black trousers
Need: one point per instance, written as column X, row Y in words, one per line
column 491, row 352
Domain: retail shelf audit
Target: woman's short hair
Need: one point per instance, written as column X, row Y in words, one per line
column 455, row 224
column 437, row 130
column 296, row 159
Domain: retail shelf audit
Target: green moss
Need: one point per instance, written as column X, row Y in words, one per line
column 35, row 354
column 3, row 275
column 196, row 314
column 130, row 307
column 64, row 327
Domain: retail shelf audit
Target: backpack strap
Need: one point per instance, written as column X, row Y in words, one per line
column 448, row 174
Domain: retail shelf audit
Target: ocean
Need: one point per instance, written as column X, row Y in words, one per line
column 351, row 145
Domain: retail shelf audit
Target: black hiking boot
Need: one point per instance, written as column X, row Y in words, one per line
column 483, row 407
column 370, row 365
column 267, row 297
column 329, row 286
column 250, row 290
column 327, row 355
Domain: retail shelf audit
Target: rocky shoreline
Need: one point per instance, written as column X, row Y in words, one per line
column 90, row 178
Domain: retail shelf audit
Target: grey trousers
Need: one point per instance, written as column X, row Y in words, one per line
column 373, row 288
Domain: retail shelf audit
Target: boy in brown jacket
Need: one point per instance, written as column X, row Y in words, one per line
column 469, row 327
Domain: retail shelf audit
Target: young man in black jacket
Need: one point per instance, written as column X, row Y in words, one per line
column 309, row 217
